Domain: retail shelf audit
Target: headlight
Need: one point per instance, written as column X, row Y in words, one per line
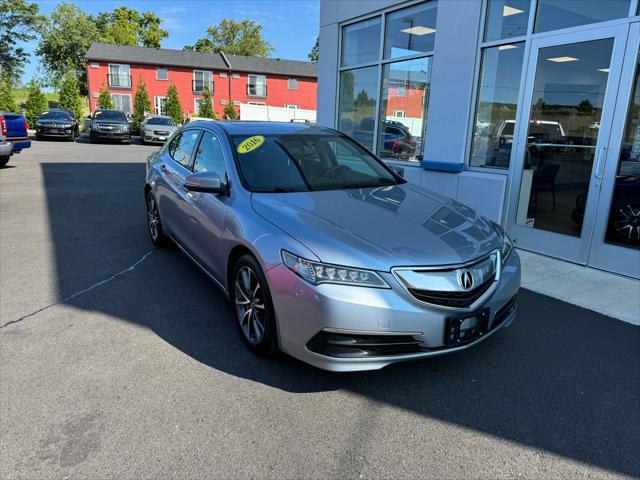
column 505, row 242
column 317, row 273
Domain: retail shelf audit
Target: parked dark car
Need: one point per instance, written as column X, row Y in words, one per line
column 13, row 135
column 57, row 124
column 111, row 125
column 398, row 141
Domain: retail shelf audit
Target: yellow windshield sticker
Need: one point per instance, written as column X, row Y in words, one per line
column 250, row 144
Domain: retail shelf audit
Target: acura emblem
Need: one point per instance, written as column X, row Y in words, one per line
column 465, row 279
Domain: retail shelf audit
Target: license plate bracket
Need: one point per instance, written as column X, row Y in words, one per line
column 464, row 329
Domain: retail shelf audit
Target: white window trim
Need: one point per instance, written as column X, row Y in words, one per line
column 156, row 103
column 162, row 79
column 292, row 106
column 249, row 83
column 402, row 112
column 119, row 73
column 210, row 78
column 123, row 95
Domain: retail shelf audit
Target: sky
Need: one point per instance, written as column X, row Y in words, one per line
column 290, row 25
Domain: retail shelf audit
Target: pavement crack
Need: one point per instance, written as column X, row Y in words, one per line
column 80, row 292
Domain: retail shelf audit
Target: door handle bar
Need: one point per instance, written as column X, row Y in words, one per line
column 600, row 163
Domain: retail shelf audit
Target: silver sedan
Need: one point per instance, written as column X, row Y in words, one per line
column 326, row 253
column 156, row 129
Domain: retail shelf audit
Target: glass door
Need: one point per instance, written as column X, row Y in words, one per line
column 570, row 94
column 616, row 240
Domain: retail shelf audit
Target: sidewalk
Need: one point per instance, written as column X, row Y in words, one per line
column 602, row 292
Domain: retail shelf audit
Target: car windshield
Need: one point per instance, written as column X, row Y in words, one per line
column 55, row 116
column 161, row 121
column 109, row 115
column 302, row 162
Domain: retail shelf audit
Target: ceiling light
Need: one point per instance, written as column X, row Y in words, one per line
column 507, row 11
column 419, row 30
column 507, row 47
column 562, row 59
column 605, row 70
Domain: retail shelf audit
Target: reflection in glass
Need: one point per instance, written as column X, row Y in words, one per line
column 567, row 103
column 357, row 104
column 361, row 42
column 497, row 105
column 556, row 14
column 403, row 107
column 623, row 226
column 410, row 31
column 506, row 19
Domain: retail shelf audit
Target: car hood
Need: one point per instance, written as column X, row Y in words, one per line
column 379, row 228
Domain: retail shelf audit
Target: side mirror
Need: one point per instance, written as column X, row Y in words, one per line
column 397, row 170
column 206, row 182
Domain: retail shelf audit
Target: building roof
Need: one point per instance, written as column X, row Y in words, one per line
column 212, row 61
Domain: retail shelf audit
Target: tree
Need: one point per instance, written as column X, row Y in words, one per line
column 36, row 102
column 64, row 41
column 141, row 105
column 7, row 98
column 172, row 106
column 235, row 38
column 105, row 102
column 205, row 109
column 127, row 26
column 70, row 95
column 18, row 23
column 314, row 55
column 230, row 112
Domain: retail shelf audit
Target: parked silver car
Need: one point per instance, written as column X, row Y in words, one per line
column 326, row 253
column 156, row 129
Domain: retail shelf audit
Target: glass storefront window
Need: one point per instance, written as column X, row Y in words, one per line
column 361, row 42
column 403, row 108
column 557, row 14
column 357, row 103
column 623, row 227
column 506, row 19
column 497, row 105
column 410, row 31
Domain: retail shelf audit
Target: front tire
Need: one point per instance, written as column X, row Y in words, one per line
column 4, row 161
column 255, row 314
column 154, row 225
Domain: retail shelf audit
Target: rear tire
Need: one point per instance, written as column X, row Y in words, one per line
column 154, row 225
column 4, row 161
column 255, row 315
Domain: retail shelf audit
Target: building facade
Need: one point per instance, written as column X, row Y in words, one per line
column 229, row 78
column 526, row 110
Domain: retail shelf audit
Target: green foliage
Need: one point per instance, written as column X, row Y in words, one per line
column 172, row 106
column 141, row 105
column 18, row 23
column 234, row 38
column 314, row 55
column 230, row 112
column 205, row 109
column 105, row 102
column 64, row 40
column 127, row 26
column 36, row 102
column 7, row 98
column 70, row 95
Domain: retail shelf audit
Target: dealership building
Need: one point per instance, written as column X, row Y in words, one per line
column 526, row 110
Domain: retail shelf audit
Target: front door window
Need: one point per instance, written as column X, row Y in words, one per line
column 563, row 129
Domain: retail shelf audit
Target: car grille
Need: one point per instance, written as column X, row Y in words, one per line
column 110, row 128
column 55, row 125
column 156, row 132
column 452, row 299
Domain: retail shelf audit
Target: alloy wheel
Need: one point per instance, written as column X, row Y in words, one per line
column 153, row 217
column 250, row 305
column 627, row 223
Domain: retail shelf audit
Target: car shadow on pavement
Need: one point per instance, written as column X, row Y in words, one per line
column 561, row 379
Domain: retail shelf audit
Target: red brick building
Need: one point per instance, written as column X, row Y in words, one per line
column 230, row 78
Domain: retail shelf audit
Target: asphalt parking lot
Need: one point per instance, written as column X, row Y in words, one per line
column 121, row 361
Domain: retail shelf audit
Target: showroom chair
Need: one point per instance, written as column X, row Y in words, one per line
column 544, row 180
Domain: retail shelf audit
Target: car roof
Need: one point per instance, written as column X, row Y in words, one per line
column 267, row 128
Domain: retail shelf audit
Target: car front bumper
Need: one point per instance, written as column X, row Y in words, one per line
column 151, row 137
column 110, row 135
column 55, row 132
column 6, row 149
column 313, row 321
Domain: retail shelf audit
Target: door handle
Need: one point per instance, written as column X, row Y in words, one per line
column 163, row 166
column 600, row 163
